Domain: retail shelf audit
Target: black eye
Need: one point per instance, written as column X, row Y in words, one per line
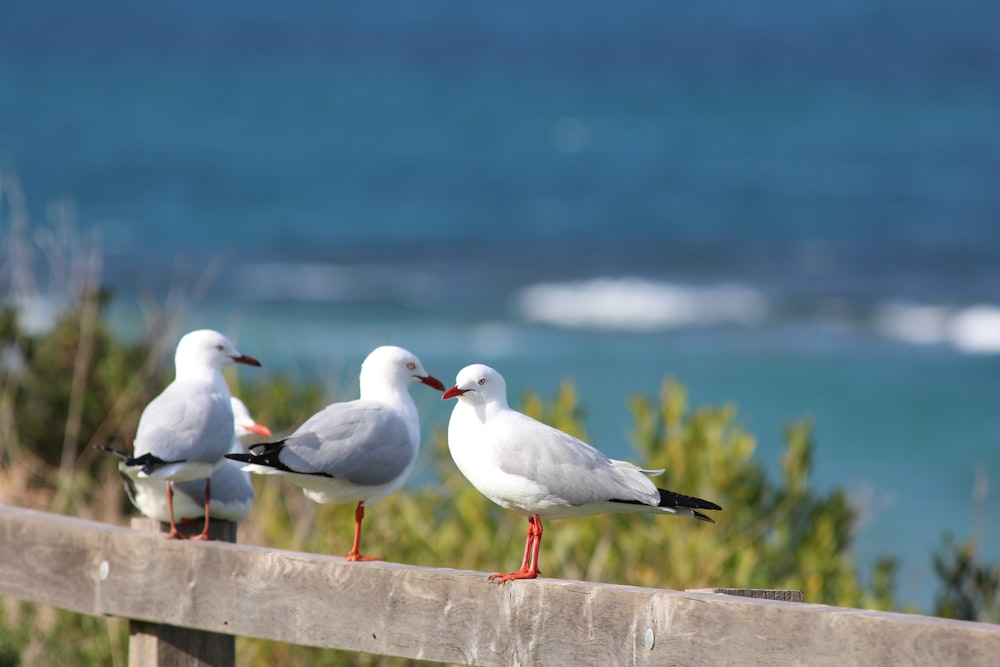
column 410, row 365
column 482, row 381
column 220, row 348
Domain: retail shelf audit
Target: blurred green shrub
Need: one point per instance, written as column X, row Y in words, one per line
column 970, row 589
column 776, row 530
column 38, row 383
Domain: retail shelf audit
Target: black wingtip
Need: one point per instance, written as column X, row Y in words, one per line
column 267, row 448
column 262, row 453
column 146, row 463
column 673, row 499
column 268, row 455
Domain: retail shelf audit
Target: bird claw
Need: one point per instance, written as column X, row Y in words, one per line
column 500, row 578
column 354, row 558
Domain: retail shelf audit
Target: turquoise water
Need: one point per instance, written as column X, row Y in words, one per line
column 793, row 208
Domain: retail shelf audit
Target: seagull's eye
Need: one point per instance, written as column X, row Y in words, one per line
column 481, row 382
column 220, row 348
column 410, row 365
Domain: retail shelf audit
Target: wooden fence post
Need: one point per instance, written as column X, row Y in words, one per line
column 162, row 645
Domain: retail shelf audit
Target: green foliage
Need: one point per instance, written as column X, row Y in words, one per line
column 33, row 634
column 970, row 589
column 776, row 530
column 771, row 534
column 66, row 362
column 11, row 641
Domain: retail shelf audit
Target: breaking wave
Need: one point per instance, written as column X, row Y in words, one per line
column 643, row 305
column 970, row 329
column 637, row 304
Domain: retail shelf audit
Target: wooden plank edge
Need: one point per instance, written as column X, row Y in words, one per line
column 784, row 595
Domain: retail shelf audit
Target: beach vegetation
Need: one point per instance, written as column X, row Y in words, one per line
column 77, row 383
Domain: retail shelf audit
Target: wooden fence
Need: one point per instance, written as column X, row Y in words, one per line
column 188, row 599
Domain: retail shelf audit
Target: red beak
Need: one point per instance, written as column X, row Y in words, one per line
column 431, row 381
column 259, row 429
column 454, row 392
column 244, row 359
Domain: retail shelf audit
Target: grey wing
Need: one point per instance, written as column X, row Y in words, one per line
column 569, row 468
column 361, row 441
column 186, row 422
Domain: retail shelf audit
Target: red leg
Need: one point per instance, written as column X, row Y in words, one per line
column 354, row 554
column 533, row 568
column 529, row 564
column 174, row 534
column 527, row 547
column 203, row 535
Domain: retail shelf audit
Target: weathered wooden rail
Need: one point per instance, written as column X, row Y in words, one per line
column 443, row 615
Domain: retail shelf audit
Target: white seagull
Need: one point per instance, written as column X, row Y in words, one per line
column 185, row 431
column 357, row 451
column 531, row 468
column 232, row 493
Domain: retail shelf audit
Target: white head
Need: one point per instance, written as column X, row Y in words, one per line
column 393, row 367
column 478, row 385
column 205, row 348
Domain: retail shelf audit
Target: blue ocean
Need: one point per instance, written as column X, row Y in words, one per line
column 792, row 207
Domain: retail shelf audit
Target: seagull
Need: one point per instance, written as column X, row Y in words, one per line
column 533, row 469
column 357, row 451
column 185, row 431
column 232, row 493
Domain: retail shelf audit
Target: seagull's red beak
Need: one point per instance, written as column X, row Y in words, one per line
column 244, row 359
column 431, row 381
column 259, row 429
column 454, row 392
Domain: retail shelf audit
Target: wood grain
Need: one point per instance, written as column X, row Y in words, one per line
column 447, row 615
column 758, row 593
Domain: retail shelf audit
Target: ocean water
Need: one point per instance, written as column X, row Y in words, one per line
column 794, row 208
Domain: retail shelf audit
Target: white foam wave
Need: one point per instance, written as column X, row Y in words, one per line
column 636, row 304
column 972, row 329
column 976, row 330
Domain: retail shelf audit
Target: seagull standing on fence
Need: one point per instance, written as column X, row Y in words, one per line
column 184, row 432
column 232, row 493
column 531, row 468
column 357, row 451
